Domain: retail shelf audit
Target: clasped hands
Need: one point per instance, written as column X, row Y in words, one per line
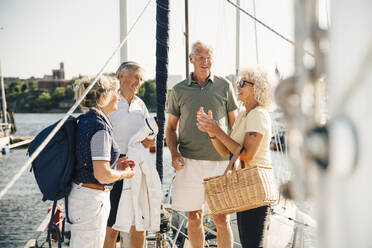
column 126, row 167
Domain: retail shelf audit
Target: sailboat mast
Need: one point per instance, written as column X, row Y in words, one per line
column 187, row 36
column 237, row 40
column 123, row 30
column 5, row 119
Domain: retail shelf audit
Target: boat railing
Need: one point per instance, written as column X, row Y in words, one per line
column 32, row 242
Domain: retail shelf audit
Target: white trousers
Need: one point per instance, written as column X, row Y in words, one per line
column 88, row 212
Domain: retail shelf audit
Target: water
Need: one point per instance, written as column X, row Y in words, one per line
column 21, row 209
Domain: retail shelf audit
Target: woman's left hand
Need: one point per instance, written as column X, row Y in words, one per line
column 206, row 123
column 124, row 163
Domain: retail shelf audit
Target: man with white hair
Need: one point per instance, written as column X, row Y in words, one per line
column 193, row 154
column 126, row 121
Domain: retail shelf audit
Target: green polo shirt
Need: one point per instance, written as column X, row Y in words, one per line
column 217, row 94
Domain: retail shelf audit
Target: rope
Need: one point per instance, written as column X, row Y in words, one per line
column 72, row 109
column 267, row 26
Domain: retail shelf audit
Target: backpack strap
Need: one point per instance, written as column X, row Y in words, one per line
column 66, row 210
column 52, row 225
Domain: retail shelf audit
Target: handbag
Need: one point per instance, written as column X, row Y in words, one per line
column 239, row 190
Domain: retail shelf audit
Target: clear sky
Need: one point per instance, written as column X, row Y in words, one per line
column 35, row 35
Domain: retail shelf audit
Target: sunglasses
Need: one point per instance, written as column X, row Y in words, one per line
column 242, row 82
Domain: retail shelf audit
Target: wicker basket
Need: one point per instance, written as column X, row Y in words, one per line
column 241, row 190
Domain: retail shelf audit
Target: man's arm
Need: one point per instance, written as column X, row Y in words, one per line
column 171, row 138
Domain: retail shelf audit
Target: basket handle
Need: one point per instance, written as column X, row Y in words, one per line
column 231, row 165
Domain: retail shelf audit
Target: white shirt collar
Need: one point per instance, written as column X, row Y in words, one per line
column 104, row 116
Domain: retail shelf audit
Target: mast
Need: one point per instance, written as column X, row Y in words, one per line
column 162, row 48
column 123, row 30
column 187, row 36
column 4, row 106
column 237, row 40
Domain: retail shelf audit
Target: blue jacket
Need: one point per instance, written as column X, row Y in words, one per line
column 88, row 125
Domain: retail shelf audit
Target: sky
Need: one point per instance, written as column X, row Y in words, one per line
column 36, row 35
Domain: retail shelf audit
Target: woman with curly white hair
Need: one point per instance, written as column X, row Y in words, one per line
column 98, row 164
column 252, row 131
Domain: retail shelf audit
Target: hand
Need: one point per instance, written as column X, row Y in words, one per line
column 148, row 142
column 177, row 161
column 127, row 173
column 123, row 163
column 206, row 123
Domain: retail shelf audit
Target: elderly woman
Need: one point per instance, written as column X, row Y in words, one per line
column 98, row 165
column 252, row 131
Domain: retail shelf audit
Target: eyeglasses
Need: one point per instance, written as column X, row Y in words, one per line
column 202, row 58
column 242, row 82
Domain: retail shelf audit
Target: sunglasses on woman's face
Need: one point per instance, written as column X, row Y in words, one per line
column 242, row 82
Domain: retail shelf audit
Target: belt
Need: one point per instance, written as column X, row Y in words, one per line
column 94, row 186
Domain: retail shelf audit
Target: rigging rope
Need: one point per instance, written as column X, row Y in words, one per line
column 71, row 110
column 267, row 26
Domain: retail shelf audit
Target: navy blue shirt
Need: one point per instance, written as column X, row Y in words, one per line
column 94, row 123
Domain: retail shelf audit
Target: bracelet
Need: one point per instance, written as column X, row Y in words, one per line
column 212, row 137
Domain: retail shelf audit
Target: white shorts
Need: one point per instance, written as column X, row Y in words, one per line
column 188, row 190
column 88, row 211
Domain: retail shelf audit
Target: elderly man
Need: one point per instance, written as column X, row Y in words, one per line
column 195, row 158
column 126, row 121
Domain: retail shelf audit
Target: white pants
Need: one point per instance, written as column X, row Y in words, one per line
column 188, row 190
column 88, row 210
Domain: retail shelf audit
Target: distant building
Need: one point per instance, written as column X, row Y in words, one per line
column 57, row 79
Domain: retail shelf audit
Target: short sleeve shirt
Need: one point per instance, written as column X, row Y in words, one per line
column 100, row 146
column 257, row 120
column 185, row 100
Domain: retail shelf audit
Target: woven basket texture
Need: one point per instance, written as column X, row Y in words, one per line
column 241, row 190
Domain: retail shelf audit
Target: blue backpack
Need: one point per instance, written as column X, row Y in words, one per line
column 54, row 166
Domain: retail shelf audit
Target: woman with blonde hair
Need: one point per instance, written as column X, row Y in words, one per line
column 252, row 131
column 97, row 163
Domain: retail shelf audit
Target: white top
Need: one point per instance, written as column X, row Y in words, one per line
column 257, row 120
column 127, row 120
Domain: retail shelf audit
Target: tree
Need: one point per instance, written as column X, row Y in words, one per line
column 15, row 88
column 44, row 100
column 32, row 85
column 59, row 93
column 147, row 93
column 69, row 93
column 24, row 88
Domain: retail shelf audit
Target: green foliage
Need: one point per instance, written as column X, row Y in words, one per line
column 69, row 93
column 32, row 85
column 44, row 100
column 15, row 88
column 147, row 93
column 59, row 93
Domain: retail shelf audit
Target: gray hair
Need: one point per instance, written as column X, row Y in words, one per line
column 262, row 86
column 105, row 85
column 128, row 66
column 198, row 45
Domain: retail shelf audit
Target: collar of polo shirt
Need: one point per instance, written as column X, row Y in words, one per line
column 190, row 80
